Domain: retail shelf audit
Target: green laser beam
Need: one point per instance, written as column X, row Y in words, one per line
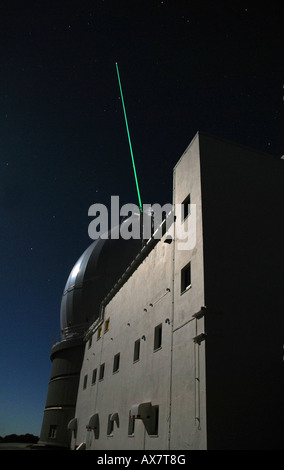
column 129, row 140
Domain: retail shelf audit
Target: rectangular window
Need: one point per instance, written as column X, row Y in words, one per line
column 136, row 355
column 155, row 420
column 158, row 337
column 94, row 376
column 116, row 360
column 52, row 431
column 185, row 278
column 110, row 425
column 85, row 382
column 90, row 342
column 131, row 425
column 107, row 324
column 99, row 333
column 185, row 208
column 102, row 372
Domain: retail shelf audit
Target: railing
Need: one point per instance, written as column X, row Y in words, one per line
column 76, row 331
column 71, row 332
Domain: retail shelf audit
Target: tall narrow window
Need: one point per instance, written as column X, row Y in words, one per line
column 185, row 278
column 102, row 372
column 158, row 337
column 110, row 425
column 116, row 361
column 99, row 333
column 94, row 376
column 185, row 208
column 131, row 425
column 90, row 342
column 85, row 381
column 155, row 420
column 107, row 324
column 136, row 355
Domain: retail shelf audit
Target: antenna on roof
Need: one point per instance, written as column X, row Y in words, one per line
column 129, row 140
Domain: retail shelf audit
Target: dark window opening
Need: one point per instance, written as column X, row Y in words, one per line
column 185, row 208
column 110, row 425
column 185, row 278
column 85, row 382
column 158, row 337
column 136, row 355
column 116, row 361
column 94, row 376
column 155, row 420
column 131, row 425
column 102, row 372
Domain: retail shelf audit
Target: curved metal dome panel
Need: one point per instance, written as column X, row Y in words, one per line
column 91, row 278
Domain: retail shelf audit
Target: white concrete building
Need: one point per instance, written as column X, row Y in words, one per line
column 184, row 351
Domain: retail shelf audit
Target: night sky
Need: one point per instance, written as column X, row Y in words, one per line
column 184, row 66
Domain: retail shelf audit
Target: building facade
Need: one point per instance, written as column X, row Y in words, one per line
column 184, row 352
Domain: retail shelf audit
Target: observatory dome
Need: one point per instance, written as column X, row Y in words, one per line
column 90, row 280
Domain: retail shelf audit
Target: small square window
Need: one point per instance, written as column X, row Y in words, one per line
column 85, row 382
column 94, row 376
column 116, row 361
column 185, row 208
column 136, row 355
column 185, row 278
column 158, row 337
column 107, row 324
column 102, row 372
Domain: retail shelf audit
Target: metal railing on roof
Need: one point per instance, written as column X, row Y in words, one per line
column 71, row 332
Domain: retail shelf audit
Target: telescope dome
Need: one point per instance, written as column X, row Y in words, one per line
column 92, row 277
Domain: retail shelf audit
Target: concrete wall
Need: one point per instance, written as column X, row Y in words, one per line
column 242, row 197
column 133, row 313
column 172, row 377
column 188, row 428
